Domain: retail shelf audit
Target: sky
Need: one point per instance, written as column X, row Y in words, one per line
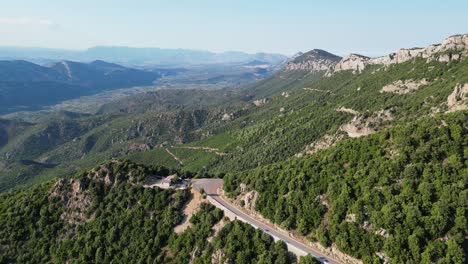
column 355, row 26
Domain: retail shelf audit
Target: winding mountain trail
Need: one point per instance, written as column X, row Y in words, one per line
column 174, row 156
column 207, row 149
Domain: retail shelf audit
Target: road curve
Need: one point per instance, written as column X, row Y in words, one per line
column 211, row 187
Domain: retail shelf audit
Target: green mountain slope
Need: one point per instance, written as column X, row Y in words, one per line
column 401, row 191
column 105, row 215
column 284, row 126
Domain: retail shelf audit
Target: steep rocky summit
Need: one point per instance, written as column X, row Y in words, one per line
column 314, row 61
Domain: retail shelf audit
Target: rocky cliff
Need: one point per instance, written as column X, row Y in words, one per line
column 314, row 61
column 453, row 48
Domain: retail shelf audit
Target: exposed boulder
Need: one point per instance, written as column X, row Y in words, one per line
column 227, row 117
column 217, row 257
column 382, row 232
column 250, row 199
column 350, row 218
column 260, row 102
column 457, row 100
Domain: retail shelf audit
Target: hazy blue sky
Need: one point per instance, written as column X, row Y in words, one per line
column 367, row 27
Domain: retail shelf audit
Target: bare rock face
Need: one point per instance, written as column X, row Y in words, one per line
column 260, row 102
column 440, row 52
column 75, row 199
column 365, row 125
column 138, row 147
column 458, row 99
column 250, row 198
column 322, row 143
column 353, row 62
column 313, row 61
column 217, row 257
column 404, row 87
column 347, row 110
column 453, row 48
column 227, row 117
column 357, row 128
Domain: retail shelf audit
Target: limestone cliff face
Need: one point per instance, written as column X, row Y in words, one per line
column 452, row 48
column 313, row 61
column 354, row 62
column 458, row 99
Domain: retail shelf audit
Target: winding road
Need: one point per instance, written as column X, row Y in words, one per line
column 211, row 187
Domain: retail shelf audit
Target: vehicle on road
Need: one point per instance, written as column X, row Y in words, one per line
column 323, row 260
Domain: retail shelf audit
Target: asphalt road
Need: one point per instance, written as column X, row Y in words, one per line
column 211, row 187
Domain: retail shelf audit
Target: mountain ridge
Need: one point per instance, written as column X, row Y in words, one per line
column 138, row 56
column 26, row 85
column 452, row 48
column 315, row 60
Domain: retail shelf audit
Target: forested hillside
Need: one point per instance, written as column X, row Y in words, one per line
column 62, row 143
column 286, row 124
column 107, row 216
column 402, row 191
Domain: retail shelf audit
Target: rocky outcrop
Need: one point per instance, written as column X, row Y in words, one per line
column 250, row 199
column 357, row 128
column 72, row 194
column 453, row 48
column 364, row 125
column 354, row 62
column 260, row 102
column 347, row 110
column 313, row 61
column 138, row 147
column 458, row 100
column 323, row 143
column 382, row 232
column 217, row 257
column 227, row 117
column 404, row 87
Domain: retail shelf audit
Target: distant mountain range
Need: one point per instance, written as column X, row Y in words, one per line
column 27, row 86
column 137, row 56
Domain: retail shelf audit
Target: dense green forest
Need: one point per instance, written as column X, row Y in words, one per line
column 402, row 191
column 106, row 216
